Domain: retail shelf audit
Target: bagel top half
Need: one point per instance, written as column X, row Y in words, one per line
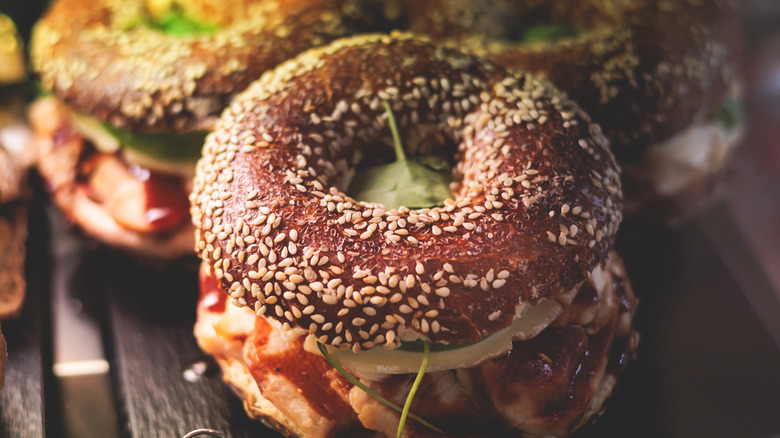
column 109, row 59
column 645, row 70
column 535, row 207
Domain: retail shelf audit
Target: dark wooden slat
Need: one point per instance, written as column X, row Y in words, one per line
column 21, row 401
column 29, row 357
column 152, row 313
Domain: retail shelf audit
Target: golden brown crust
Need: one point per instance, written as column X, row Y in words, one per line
column 95, row 56
column 12, row 67
column 643, row 69
column 537, row 196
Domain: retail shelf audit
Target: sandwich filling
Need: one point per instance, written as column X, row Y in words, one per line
column 685, row 165
column 557, row 371
column 128, row 190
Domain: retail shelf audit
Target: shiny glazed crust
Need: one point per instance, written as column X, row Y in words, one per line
column 537, row 196
column 98, row 57
column 643, row 69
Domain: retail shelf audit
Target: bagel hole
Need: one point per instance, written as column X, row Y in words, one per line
column 378, row 176
column 542, row 25
column 501, row 20
column 546, row 33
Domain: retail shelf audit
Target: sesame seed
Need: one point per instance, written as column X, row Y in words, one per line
column 443, row 292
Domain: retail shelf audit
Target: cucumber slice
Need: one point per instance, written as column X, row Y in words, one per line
column 94, row 131
column 173, row 149
column 407, row 359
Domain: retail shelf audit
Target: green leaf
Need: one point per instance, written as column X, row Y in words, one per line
column 547, row 33
column 418, row 182
column 161, row 146
column 373, row 394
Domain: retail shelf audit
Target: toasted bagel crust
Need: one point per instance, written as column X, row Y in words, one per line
column 97, row 56
column 537, row 195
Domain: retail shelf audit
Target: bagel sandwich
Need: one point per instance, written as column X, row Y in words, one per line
column 133, row 87
column 499, row 310
column 662, row 79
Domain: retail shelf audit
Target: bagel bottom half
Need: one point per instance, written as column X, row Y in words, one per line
column 548, row 385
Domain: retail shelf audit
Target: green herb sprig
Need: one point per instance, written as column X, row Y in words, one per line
column 403, row 411
column 415, row 385
column 417, row 182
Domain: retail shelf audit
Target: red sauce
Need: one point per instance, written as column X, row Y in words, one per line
column 212, row 299
column 166, row 201
column 321, row 385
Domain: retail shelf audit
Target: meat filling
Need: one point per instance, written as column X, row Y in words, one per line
column 550, row 384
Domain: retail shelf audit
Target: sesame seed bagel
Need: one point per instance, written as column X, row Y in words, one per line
column 645, row 70
column 98, row 57
column 536, row 205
